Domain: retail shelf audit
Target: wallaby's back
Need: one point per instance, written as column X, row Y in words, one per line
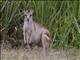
column 37, row 32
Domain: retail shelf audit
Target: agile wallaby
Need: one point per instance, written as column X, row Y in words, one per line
column 34, row 33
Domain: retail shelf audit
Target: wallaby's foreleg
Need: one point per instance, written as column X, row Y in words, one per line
column 45, row 43
column 26, row 39
column 24, row 34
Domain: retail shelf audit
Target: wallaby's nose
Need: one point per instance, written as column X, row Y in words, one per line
column 28, row 20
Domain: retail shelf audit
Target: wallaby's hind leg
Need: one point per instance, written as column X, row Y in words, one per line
column 45, row 43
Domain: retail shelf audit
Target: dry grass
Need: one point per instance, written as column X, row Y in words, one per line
column 22, row 54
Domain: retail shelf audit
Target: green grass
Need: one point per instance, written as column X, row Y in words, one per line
column 62, row 18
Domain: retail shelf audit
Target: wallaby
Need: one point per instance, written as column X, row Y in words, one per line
column 34, row 33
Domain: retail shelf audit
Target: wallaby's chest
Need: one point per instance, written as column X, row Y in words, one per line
column 27, row 26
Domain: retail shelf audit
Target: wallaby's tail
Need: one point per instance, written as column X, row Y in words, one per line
column 46, row 39
column 47, row 35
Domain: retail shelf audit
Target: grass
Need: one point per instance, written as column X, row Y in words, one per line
column 62, row 18
column 21, row 54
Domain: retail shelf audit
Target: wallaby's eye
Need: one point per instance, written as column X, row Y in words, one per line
column 30, row 15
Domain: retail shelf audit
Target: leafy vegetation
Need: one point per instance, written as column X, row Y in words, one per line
column 62, row 18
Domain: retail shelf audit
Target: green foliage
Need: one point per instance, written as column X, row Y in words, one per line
column 62, row 18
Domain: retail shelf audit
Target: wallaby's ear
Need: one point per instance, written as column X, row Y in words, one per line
column 28, row 11
column 25, row 12
column 31, row 11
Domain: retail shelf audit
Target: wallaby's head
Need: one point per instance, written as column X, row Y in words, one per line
column 28, row 15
